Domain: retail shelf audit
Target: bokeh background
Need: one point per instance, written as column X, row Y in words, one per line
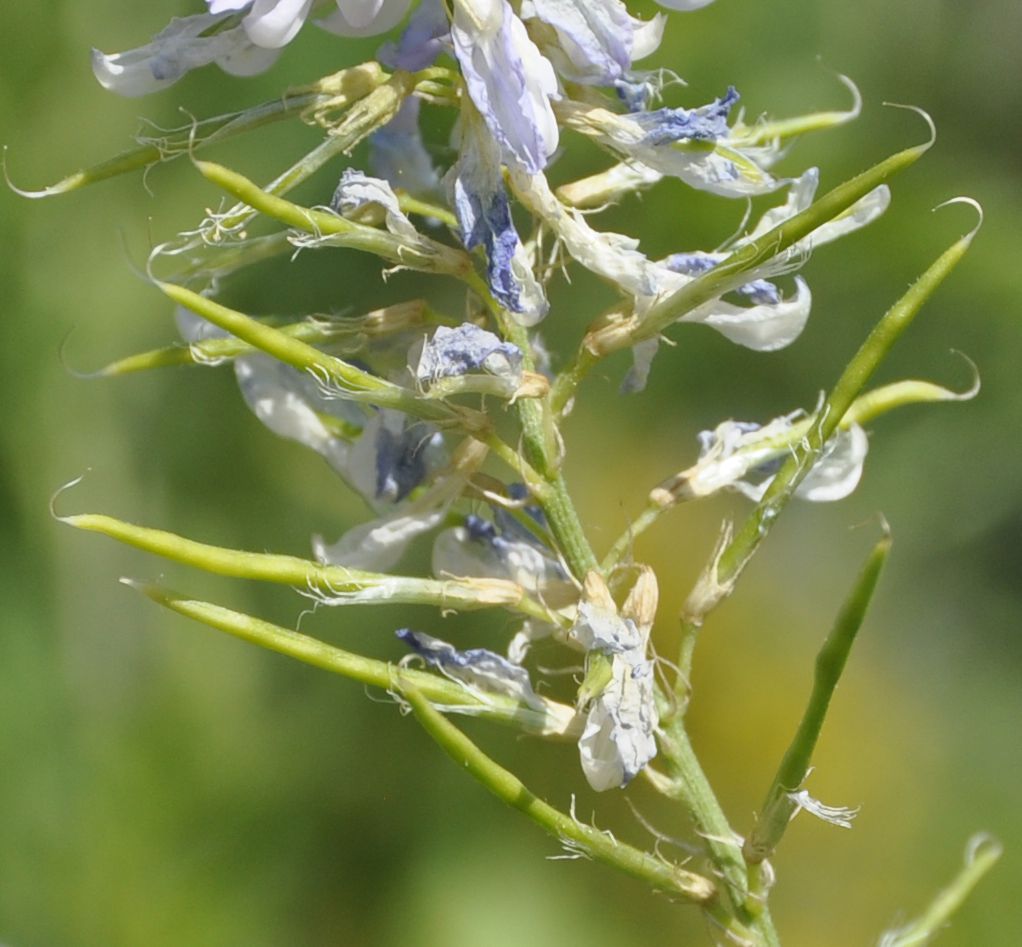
column 161, row 785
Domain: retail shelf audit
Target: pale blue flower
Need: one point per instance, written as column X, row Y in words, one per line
column 597, row 40
column 398, row 154
column 477, row 668
column 467, row 348
column 484, row 218
column 508, row 79
column 744, row 456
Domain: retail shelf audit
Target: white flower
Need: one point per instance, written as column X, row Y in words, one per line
column 745, row 457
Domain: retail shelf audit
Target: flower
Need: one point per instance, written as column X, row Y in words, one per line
column 510, row 82
column 243, row 37
column 618, row 738
column 745, row 456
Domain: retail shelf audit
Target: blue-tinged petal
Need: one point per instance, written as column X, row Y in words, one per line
column 691, row 144
column 476, row 668
column 508, row 79
column 398, row 154
column 743, row 456
column 393, row 456
column 357, row 190
column 707, row 123
column 427, row 33
column 466, row 348
column 765, row 327
column 595, row 37
column 364, row 17
column 274, row 23
column 186, row 43
column 484, row 218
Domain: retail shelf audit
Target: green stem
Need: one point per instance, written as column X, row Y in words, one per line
column 576, row 837
column 552, row 720
column 690, row 786
column 338, row 584
column 982, row 854
column 778, row 806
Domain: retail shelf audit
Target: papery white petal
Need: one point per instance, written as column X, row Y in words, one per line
column 618, row 739
column 595, row 36
column 763, row 328
column 227, row 6
column 274, row 23
column 283, row 399
column 174, row 51
column 609, row 255
column 477, row 668
column 362, row 18
column 357, row 190
column 647, row 37
column 248, row 60
column 378, row 546
column 598, row 629
column 839, row 468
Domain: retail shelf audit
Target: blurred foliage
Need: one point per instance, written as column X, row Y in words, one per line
column 162, row 786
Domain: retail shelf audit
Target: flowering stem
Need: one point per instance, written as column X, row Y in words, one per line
column 778, row 807
column 689, row 786
column 576, row 837
column 541, row 445
column 853, row 379
column 720, row 576
column 555, row 721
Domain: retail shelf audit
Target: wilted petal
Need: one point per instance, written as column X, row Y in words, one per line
column 484, row 218
column 467, row 348
column 394, row 455
column 835, row 474
column 598, row 629
column 618, row 739
column 745, row 456
column 476, row 668
column 690, row 144
column 357, row 190
column 595, row 37
column 290, row 404
column 378, row 546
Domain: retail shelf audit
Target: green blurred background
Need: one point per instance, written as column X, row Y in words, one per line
column 160, row 785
